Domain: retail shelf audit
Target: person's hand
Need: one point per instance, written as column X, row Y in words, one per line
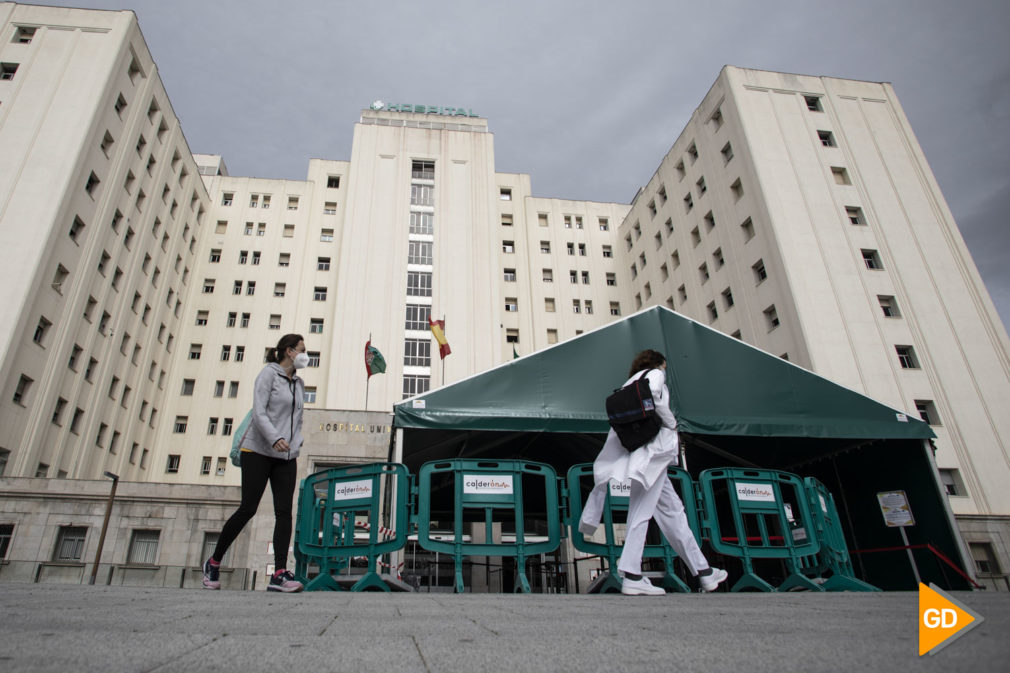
column 282, row 445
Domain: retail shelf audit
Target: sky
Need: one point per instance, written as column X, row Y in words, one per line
column 586, row 97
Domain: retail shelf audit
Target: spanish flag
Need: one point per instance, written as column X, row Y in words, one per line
column 438, row 330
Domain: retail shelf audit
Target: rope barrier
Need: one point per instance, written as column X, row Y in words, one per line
column 928, row 546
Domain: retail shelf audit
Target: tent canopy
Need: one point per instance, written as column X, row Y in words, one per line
column 718, row 386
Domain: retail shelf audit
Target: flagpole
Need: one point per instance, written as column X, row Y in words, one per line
column 442, row 356
column 368, row 377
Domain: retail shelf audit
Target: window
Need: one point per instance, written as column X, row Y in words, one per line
column 319, row 294
column 552, row 336
column 771, row 317
column 840, row 175
column 759, row 271
column 180, row 425
column 688, row 202
column 727, row 297
column 120, row 105
column 74, row 354
column 512, row 336
column 571, row 249
column 951, row 480
column 250, row 287
column 422, row 170
column 827, row 138
column 615, row 308
column 680, row 169
column 248, row 229
column 703, row 272
column 70, row 543
column 652, row 209
column 6, row 533
column 280, row 289
column 205, row 469
column 692, row 151
column 634, row 271
column 226, row 426
column 222, row 465
column 813, row 103
column 233, row 389
column 423, row 223
column 76, row 227
column 187, row 386
column 419, row 252
column 713, row 312
column 332, row 182
column 717, row 257
column 576, row 306
column 906, row 356
column 872, row 259
column 225, row 353
column 889, row 306
column 417, row 316
column 585, row 278
column 702, row 188
column 23, row 35
column 75, row 421
column 240, row 351
column 573, row 276
column 927, row 411
column 256, row 257
column 505, row 194
column 237, row 287
column 727, row 153
column 7, row 71
column 415, row 385
column 747, row 227
column 604, row 223
column 289, row 230
column 40, row 331
column 510, row 275
column 292, row 203
column 638, row 300
column 417, row 352
column 173, row 464
column 195, row 351
column 21, row 390
column 612, row 279
column 582, row 249
column 695, row 237
column 418, row 283
column 315, row 326
column 310, row 395
column 422, row 195
column 548, row 275
column 508, row 247
column 589, row 307
column 219, row 389
column 736, row 189
column 506, row 220
column 330, row 208
column 208, row 285
column 855, row 215
column 57, row 418
column 511, row 304
column 549, row 304
column 545, row 247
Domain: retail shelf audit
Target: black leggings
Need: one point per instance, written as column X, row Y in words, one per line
column 257, row 469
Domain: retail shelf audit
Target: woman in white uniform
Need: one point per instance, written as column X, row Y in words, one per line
column 652, row 494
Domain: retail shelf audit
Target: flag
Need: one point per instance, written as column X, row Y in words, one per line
column 514, row 353
column 374, row 362
column 438, row 329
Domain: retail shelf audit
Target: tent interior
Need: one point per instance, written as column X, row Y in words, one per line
column 737, row 406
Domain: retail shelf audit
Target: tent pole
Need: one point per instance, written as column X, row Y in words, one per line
column 848, row 516
column 962, row 547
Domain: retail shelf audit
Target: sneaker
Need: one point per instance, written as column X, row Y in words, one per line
column 283, row 580
column 642, row 587
column 714, row 579
column 211, row 575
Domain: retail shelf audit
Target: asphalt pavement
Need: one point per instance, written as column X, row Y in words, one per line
column 131, row 629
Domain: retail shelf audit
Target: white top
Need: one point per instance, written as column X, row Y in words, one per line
column 648, row 462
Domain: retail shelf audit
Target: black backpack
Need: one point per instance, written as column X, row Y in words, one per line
column 632, row 413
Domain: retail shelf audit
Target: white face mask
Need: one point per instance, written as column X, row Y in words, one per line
column 301, row 360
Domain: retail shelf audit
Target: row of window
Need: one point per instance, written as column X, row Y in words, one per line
column 417, row 352
column 569, row 221
column 264, row 200
column 280, row 289
column 274, row 321
column 283, row 259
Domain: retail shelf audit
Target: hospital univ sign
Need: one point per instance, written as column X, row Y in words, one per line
column 423, row 109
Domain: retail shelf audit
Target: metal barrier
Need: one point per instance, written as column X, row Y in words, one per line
column 834, row 554
column 617, row 500
column 488, row 485
column 758, row 521
column 331, row 504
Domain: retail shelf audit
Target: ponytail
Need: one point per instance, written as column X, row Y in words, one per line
column 287, row 341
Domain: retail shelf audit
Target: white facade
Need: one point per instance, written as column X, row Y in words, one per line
column 763, row 220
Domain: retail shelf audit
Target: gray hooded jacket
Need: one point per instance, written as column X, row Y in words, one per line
column 278, row 403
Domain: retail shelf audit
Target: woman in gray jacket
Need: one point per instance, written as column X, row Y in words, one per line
column 269, row 450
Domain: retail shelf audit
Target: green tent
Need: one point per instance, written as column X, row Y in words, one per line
column 736, row 406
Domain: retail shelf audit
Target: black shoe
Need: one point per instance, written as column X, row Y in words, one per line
column 211, row 575
column 284, row 581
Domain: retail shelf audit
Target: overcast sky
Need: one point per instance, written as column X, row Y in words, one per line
column 586, row 97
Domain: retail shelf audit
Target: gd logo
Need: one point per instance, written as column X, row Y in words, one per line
column 942, row 620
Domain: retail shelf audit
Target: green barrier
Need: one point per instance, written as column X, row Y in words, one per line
column 487, row 486
column 763, row 514
column 331, row 504
column 617, row 501
column 834, row 554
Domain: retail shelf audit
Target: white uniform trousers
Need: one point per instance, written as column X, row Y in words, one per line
column 660, row 502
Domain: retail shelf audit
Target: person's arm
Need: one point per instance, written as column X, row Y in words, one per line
column 261, row 396
column 661, row 396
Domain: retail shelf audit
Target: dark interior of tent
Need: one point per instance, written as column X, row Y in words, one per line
column 854, row 471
